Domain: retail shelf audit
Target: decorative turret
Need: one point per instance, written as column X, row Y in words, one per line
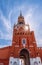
column 21, row 19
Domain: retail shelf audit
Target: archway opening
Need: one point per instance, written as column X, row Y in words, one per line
column 24, row 54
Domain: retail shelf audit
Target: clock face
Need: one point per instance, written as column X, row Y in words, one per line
column 23, row 41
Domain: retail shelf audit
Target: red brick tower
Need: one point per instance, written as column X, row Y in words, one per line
column 23, row 40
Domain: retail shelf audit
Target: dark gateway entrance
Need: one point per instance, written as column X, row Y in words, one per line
column 24, row 54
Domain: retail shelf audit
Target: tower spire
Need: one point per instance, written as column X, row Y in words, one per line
column 20, row 13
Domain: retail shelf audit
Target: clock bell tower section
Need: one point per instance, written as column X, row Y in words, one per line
column 23, row 38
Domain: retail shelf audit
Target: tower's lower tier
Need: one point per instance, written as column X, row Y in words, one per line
column 20, row 61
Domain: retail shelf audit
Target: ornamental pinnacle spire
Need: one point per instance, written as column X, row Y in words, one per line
column 21, row 19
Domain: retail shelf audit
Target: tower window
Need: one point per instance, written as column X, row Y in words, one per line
column 23, row 41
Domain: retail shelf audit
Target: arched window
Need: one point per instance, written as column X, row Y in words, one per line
column 35, row 63
column 23, row 41
column 15, row 63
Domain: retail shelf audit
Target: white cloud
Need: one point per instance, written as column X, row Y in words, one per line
column 1, row 34
column 29, row 18
column 39, row 42
column 7, row 25
column 5, row 21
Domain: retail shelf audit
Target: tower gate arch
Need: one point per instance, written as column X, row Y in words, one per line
column 24, row 54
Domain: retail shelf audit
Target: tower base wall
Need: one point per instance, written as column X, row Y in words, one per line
column 18, row 61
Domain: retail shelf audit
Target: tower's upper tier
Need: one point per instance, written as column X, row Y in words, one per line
column 21, row 19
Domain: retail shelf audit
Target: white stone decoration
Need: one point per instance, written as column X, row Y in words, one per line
column 18, row 61
column 35, row 61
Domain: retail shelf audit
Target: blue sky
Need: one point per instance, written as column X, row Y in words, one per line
column 9, row 12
